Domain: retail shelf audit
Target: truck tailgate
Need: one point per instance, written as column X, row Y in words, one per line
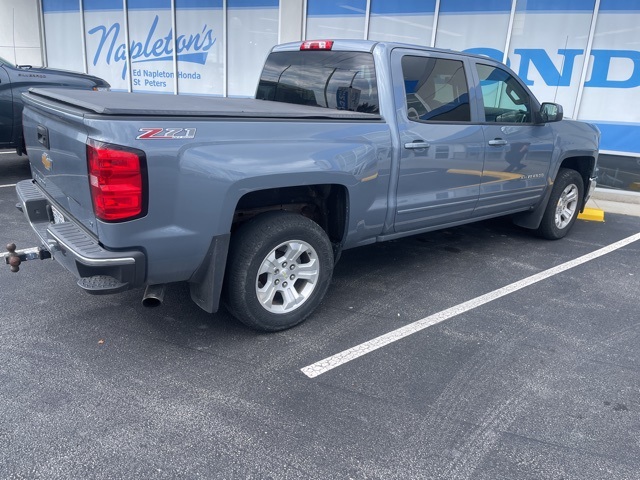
column 55, row 137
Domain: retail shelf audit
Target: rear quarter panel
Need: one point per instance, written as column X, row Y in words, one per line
column 195, row 185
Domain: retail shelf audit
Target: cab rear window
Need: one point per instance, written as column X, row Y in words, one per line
column 331, row 79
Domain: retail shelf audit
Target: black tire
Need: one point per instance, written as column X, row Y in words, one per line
column 564, row 205
column 287, row 300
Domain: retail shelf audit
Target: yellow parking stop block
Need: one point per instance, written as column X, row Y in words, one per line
column 592, row 215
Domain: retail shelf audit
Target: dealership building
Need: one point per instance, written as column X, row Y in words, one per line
column 583, row 54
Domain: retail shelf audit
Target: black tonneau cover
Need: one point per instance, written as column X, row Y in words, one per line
column 144, row 104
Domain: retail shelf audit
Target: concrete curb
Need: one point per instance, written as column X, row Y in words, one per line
column 592, row 215
column 622, row 196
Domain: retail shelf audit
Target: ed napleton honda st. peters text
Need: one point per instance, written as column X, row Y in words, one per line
column 252, row 200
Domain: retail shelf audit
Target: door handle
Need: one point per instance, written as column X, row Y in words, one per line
column 416, row 144
column 43, row 136
column 497, row 142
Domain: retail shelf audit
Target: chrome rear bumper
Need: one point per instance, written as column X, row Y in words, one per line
column 99, row 271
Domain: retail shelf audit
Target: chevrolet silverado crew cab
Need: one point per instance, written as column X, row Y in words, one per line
column 16, row 79
column 252, row 200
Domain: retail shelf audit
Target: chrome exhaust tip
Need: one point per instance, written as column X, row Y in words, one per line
column 153, row 295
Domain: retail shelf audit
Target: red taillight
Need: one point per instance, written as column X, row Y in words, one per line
column 116, row 179
column 317, row 45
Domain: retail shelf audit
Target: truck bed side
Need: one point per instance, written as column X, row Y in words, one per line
column 195, row 185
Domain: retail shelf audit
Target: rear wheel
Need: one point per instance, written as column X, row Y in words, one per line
column 564, row 205
column 280, row 266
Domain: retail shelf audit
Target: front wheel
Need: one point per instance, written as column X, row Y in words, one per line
column 279, row 268
column 564, row 205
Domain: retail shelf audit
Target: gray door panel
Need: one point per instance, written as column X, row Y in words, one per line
column 515, row 172
column 518, row 152
column 442, row 151
column 438, row 184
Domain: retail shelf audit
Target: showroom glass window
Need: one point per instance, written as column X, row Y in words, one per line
column 151, row 68
column 478, row 27
column 199, row 24
column 252, row 30
column 62, row 28
column 104, row 36
column 547, row 47
column 333, row 19
column 612, row 90
column 409, row 21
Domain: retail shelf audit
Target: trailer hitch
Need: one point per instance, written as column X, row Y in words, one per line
column 15, row 257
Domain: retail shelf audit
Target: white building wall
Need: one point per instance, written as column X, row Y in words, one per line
column 20, row 32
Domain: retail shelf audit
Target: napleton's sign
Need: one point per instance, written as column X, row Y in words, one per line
column 154, row 47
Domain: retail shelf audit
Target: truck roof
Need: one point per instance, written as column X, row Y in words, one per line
column 368, row 46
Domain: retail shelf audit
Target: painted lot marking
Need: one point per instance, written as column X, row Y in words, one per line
column 12, row 152
column 341, row 358
column 6, row 186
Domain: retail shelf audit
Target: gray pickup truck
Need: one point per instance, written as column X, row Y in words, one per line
column 252, row 200
column 16, row 79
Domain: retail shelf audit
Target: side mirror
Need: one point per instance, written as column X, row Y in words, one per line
column 550, row 112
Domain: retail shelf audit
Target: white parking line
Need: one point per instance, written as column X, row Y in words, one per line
column 7, row 186
column 341, row 358
column 9, row 153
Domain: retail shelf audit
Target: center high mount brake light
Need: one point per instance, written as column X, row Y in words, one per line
column 317, row 45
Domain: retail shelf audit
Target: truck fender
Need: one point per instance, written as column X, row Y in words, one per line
column 533, row 218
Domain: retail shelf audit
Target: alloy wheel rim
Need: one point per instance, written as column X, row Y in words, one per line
column 287, row 277
column 567, row 206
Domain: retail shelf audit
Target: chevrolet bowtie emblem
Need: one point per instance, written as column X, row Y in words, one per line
column 46, row 161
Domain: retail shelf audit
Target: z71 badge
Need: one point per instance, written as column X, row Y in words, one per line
column 166, row 133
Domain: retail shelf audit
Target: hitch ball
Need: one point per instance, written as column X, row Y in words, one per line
column 14, row 259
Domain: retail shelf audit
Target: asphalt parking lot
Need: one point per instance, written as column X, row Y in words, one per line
column 541, row 381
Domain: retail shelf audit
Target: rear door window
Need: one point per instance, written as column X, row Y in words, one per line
column 436, row 89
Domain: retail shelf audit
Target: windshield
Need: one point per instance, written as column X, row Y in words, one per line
column 5, row 62
column 341, row 80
